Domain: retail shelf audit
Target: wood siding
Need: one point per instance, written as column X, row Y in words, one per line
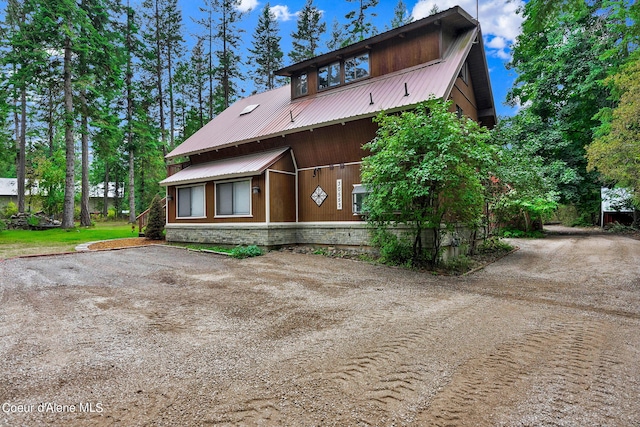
column 323, row 147
column 258, row 205
column 463, row 95
column 327, row 178
column 282, row 195
column 403, row 52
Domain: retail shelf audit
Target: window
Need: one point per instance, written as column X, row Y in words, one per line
column 464, row 73
column 191, row 202
column 233, row 198
column 356, row 68
column 329, row 75
column 459, row 111
column 300, row 85
column 358, row 195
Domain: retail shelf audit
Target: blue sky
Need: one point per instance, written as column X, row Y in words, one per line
column 499, row 20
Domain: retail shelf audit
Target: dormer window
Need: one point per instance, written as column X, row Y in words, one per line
column 349, row 70
column 329, row 75
column 300, row 85
column 356, row 68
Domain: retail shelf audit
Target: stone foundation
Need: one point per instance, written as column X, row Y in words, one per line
column 346, row 234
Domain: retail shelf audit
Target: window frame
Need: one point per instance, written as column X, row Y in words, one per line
column 233, row 215
column 333, row 65
column 355, row 67
column 359, row 190
column 301, row 81
column 204, row 201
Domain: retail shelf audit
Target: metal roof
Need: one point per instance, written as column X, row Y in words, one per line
column 278, row 115
column 252, row 164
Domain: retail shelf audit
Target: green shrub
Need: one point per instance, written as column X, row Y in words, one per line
column 519, row 234
column 246, row 251
column 111, row 214
column 33, row 221
column 155, row 226
column 393, row 250
column 9, row 210
column 494, row 244
column 3, row 225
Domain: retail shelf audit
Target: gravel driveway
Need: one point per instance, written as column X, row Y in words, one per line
column 549, row 335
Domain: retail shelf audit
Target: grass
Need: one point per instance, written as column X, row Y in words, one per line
column 28, row 242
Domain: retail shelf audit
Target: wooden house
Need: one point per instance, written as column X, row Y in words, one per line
column 283, row 167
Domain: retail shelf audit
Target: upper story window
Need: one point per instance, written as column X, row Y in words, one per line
column 356, row 68
column 329, row 75
column 336, row 73
column 300, row 85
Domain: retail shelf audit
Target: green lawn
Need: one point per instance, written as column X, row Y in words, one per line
column 26, row 242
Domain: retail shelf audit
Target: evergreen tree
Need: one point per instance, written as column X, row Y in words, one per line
column 155, row 226
column 266, row 52
column 308, row 33
column 401, row 15
column 337, row 37
column 229, row 35
column 359, row 28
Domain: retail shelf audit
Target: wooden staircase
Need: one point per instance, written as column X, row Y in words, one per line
column 143, row 218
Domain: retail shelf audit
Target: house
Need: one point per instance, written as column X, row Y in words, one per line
column 616, row 206
column 9, row 193
column 283, row 167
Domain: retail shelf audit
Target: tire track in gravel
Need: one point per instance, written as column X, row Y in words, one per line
column 561, row 357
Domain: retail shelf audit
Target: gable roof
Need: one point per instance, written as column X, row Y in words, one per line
column 273, row 113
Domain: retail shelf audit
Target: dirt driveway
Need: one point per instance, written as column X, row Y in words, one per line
column 549, row 335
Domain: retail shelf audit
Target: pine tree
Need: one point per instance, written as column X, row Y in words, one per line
column 359, row 28
column 155, row 226
column 337, row 37
column 308, row 33
column 266, row 51
column 400, row 15
column 228, row 35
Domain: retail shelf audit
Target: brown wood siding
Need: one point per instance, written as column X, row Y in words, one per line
column 258, row 203
column 324, row 146
column 282, row 190
column 284, row 164
column 326, row 178
column 462, row 94
column 404, row 52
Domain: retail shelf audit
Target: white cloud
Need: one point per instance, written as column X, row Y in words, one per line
column 247, row 5
column 282, row 13
column 498, row 18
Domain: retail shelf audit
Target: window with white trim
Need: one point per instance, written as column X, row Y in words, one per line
column 233, row 198
column 358, row 195
column 191, row 202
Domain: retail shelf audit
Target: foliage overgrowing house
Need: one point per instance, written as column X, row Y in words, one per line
column 283, row 166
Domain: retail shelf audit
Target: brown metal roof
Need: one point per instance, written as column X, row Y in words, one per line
column 276, row 114
column 253, row 164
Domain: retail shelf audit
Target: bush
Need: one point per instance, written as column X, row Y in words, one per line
column 9, row 210
column 494, row 244
column 245, row 251
column 393, row 250
column 3, row 225
column 518, row 234
column 155, row 226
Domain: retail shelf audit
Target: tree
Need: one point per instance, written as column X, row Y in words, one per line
column 425, row 171
column 559, row 80
column 615, row 152
column 155, row 226
column 229, row 36
column 266, row 52
column 359, row 28
column 337, row 37
column 308, row 33
column 400, row 15
column 527, row 185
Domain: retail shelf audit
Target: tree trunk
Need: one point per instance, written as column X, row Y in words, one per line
column 22, row 151
column 85, row 214
column 132, row 188
column 105, row 194
column 69, row 182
